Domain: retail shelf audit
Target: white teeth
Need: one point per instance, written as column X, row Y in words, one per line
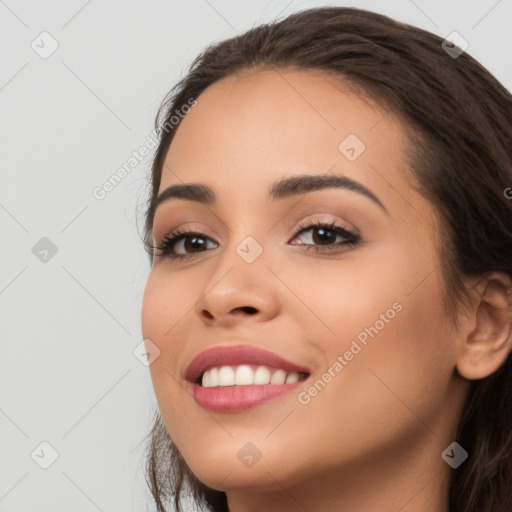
column 262, row 375
column 245, row 375
column 226, row 376
column 278, row 377
column 292, row 378
column 214, row 377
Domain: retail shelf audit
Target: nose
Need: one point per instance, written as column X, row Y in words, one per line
column 244, row 292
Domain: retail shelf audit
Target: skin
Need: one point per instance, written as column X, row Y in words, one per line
column 372, row 438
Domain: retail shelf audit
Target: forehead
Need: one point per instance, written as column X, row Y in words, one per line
column 272, row 121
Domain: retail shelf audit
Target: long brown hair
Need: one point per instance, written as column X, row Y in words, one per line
column 458, row 118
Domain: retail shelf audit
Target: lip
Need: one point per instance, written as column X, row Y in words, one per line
column 236, row 355
column 236, row 398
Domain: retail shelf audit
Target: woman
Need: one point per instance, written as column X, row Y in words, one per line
column 331, row 244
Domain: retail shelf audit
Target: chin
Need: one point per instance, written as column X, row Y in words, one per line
column 237, row 464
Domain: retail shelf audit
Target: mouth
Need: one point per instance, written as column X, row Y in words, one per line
column 231, row 378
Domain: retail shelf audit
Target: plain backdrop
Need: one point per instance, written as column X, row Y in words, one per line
column 73, row 395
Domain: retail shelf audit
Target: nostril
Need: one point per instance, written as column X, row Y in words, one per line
column 249, row 309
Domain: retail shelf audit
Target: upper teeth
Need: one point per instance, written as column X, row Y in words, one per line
column 245, row 375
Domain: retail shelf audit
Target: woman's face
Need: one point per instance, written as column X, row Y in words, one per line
column 361, row 312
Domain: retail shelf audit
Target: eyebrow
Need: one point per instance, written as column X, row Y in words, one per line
column 282, row 189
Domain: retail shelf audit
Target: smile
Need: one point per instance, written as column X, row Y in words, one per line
column 231, row 378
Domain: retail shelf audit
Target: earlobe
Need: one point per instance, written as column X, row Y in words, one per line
column 487, row 347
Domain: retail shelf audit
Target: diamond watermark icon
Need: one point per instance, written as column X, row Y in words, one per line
column 351, row 147
column 249, row 250
column 146, row 352
column 44, row 455
column 454, row 45
column 44, row 250
column 44, row 45
column 249, row 454
column 454, row 455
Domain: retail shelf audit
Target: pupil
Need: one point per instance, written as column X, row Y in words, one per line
column 194, row 243
column 326, row 239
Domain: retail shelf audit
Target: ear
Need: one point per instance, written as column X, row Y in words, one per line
column 488, row 345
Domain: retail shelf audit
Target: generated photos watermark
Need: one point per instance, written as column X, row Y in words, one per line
column 101, row 191
column 304, row 397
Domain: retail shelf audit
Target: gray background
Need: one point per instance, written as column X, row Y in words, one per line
column 69, row 324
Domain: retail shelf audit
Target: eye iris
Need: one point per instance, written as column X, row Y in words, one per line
column 193, row 243
column 328, row 236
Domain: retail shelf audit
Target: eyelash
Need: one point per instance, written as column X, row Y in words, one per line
column 169, row 241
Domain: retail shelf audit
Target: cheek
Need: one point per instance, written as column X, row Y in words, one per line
column 166, row 313
column 336, row 301
column 397, row 348
column 166, row 301
column 151, row 305
column 396, row 368
column 162, row 309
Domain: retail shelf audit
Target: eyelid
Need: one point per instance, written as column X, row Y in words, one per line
column 323, row 218
column 188, row 226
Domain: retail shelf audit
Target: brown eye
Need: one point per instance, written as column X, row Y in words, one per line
column 323, row 236
column 186, row 242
